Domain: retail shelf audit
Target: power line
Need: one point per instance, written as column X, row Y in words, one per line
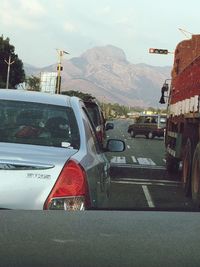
column 186, row 33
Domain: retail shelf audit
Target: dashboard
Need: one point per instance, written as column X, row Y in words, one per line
column 99, row 238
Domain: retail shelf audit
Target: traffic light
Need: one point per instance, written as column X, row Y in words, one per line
column 158, row 51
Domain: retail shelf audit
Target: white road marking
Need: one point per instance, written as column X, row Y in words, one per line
column 146, row 161
column 143, row 183
column 134, row 159
column 129, row 182
column 148, row 196
column 147, row 180
column 128, row 147
column 134, row 166
column 118, row 160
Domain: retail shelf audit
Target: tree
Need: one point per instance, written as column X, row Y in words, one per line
column 33, row 83
column 83, row 96
column 17, row 74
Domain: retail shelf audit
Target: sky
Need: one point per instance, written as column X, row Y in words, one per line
column 38, row 27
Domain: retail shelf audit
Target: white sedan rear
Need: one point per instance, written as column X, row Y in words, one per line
column 49, row 154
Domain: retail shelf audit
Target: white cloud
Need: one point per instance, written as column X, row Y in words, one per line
column 69, row 27
column 124, row 21
column 60, row 4
column 32, row 7
column 106, row 10
column 22, row 14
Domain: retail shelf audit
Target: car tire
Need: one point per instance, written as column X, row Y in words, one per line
column 132, row 134
column 150, row 135
column 195, row 179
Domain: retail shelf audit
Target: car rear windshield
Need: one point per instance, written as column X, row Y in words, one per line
column 38, row 124
column 163, row 121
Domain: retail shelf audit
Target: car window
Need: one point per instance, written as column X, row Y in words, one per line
column 163, row 120
column 147, row 119
column 139, row 120
column 128, row 59
column 94, row 114
column 76, row 78
column 38, row 124
column 92, row 130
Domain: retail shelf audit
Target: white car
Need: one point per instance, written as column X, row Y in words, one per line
column 50, row 157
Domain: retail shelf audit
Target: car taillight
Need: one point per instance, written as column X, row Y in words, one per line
column 70, row 191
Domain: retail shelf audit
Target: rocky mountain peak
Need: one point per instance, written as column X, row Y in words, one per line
column 105, row 54
column 105, row 73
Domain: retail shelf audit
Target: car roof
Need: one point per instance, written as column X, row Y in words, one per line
column 37, row 97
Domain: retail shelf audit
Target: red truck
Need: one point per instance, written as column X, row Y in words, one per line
column 182, row 138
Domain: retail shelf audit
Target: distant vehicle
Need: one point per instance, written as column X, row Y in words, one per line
column 148, row 125
column 183, row 125
column 50, row 157
column 98, row 120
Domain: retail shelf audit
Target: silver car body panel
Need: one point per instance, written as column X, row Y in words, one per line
column 29, row 172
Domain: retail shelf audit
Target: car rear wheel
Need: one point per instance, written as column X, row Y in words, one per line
column 195, row 178
column 150, row 135
column 132, row 133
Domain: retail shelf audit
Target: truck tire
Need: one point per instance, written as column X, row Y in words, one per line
column 187, row 166
column 172, row 164
column 132, row 134
column 195, row 183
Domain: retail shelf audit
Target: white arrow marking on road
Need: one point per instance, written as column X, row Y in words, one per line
column 148, row 196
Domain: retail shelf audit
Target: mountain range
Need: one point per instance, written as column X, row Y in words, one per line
column 105, row 72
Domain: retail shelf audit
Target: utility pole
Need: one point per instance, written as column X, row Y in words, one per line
column 59, row 69
column 9, row 63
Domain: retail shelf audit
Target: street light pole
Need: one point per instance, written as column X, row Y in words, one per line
column 59, row 69
column 9, row 63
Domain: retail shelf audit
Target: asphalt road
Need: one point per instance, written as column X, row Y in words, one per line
column 139, row 177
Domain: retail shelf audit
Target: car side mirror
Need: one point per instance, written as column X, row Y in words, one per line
column 115, row 145
column 164, row 89
column 109, row 126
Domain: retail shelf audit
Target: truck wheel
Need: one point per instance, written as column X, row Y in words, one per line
column 187, row 167
column 150, row 135
column 195, row 183
column 132, row 134
column 172, row 164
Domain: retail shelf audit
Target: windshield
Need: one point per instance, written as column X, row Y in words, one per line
column 38, row 124
column 135, row 67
